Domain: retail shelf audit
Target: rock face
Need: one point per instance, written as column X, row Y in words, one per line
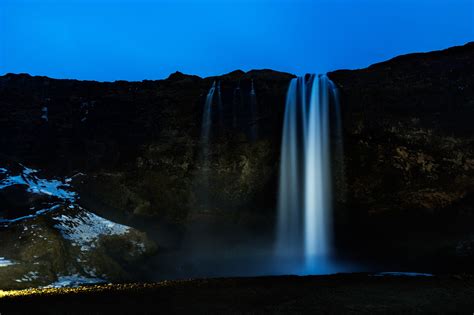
column 142, row 138
column 136, row 147
column 406, row 195
column 409, row 140
column 49, row 240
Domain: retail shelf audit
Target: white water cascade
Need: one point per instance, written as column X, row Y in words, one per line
column 304, row 230
column 203, row 185
column 207, row 115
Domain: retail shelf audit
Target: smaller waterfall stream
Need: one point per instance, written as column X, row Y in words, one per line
column 207, row 115
column 220, row 106
column 253, row 130
column 236, row 105
column 203, row 190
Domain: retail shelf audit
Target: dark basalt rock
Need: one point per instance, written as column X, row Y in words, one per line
column 69, row 245
column 409, row 139
column 48, row 239
column 408, row 185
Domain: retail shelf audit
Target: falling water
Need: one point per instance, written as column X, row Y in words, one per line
column 253, row 113
column 205, row 138
column 304, row 234
column 207, row 115
column 236, row 105
column 220, row 106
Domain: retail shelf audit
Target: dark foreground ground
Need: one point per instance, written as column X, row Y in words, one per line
column 354, row 293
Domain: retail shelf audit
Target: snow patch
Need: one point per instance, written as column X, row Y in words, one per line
column 74, row 281
column 37, row 185
column 39, row 212
column 44, row 114
column 30, row 276
column 402, row 274
column 85, row 228
column 5, row 262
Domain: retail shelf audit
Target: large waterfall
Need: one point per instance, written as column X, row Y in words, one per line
column 304, row 231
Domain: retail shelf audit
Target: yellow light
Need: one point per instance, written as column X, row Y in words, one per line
column 89, row 289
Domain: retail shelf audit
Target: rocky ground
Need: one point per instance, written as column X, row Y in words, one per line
column 48, row 239
column 338, row 294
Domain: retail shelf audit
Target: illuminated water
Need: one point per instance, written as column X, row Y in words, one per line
column 304, row 231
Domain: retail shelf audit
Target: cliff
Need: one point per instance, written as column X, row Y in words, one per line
column 405, row 196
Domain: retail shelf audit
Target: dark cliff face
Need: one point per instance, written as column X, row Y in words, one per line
column 408, row 184
column 139, row 142
column 133, row 153
column 409, row 141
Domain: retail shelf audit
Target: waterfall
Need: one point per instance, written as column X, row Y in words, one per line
column 304, row 227
column 207, row 115
column 220, row 106
column 236, row 104
column 253, row 113
column 205, row 139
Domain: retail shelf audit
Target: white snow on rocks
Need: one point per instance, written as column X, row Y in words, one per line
column 30, row 276
column 85, row 228
column 74, row 281
column 5, row 262
column 29, row 216
column 51, row 187
column 44, row 114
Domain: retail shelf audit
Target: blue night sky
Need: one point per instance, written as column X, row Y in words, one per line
column 109, row 40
